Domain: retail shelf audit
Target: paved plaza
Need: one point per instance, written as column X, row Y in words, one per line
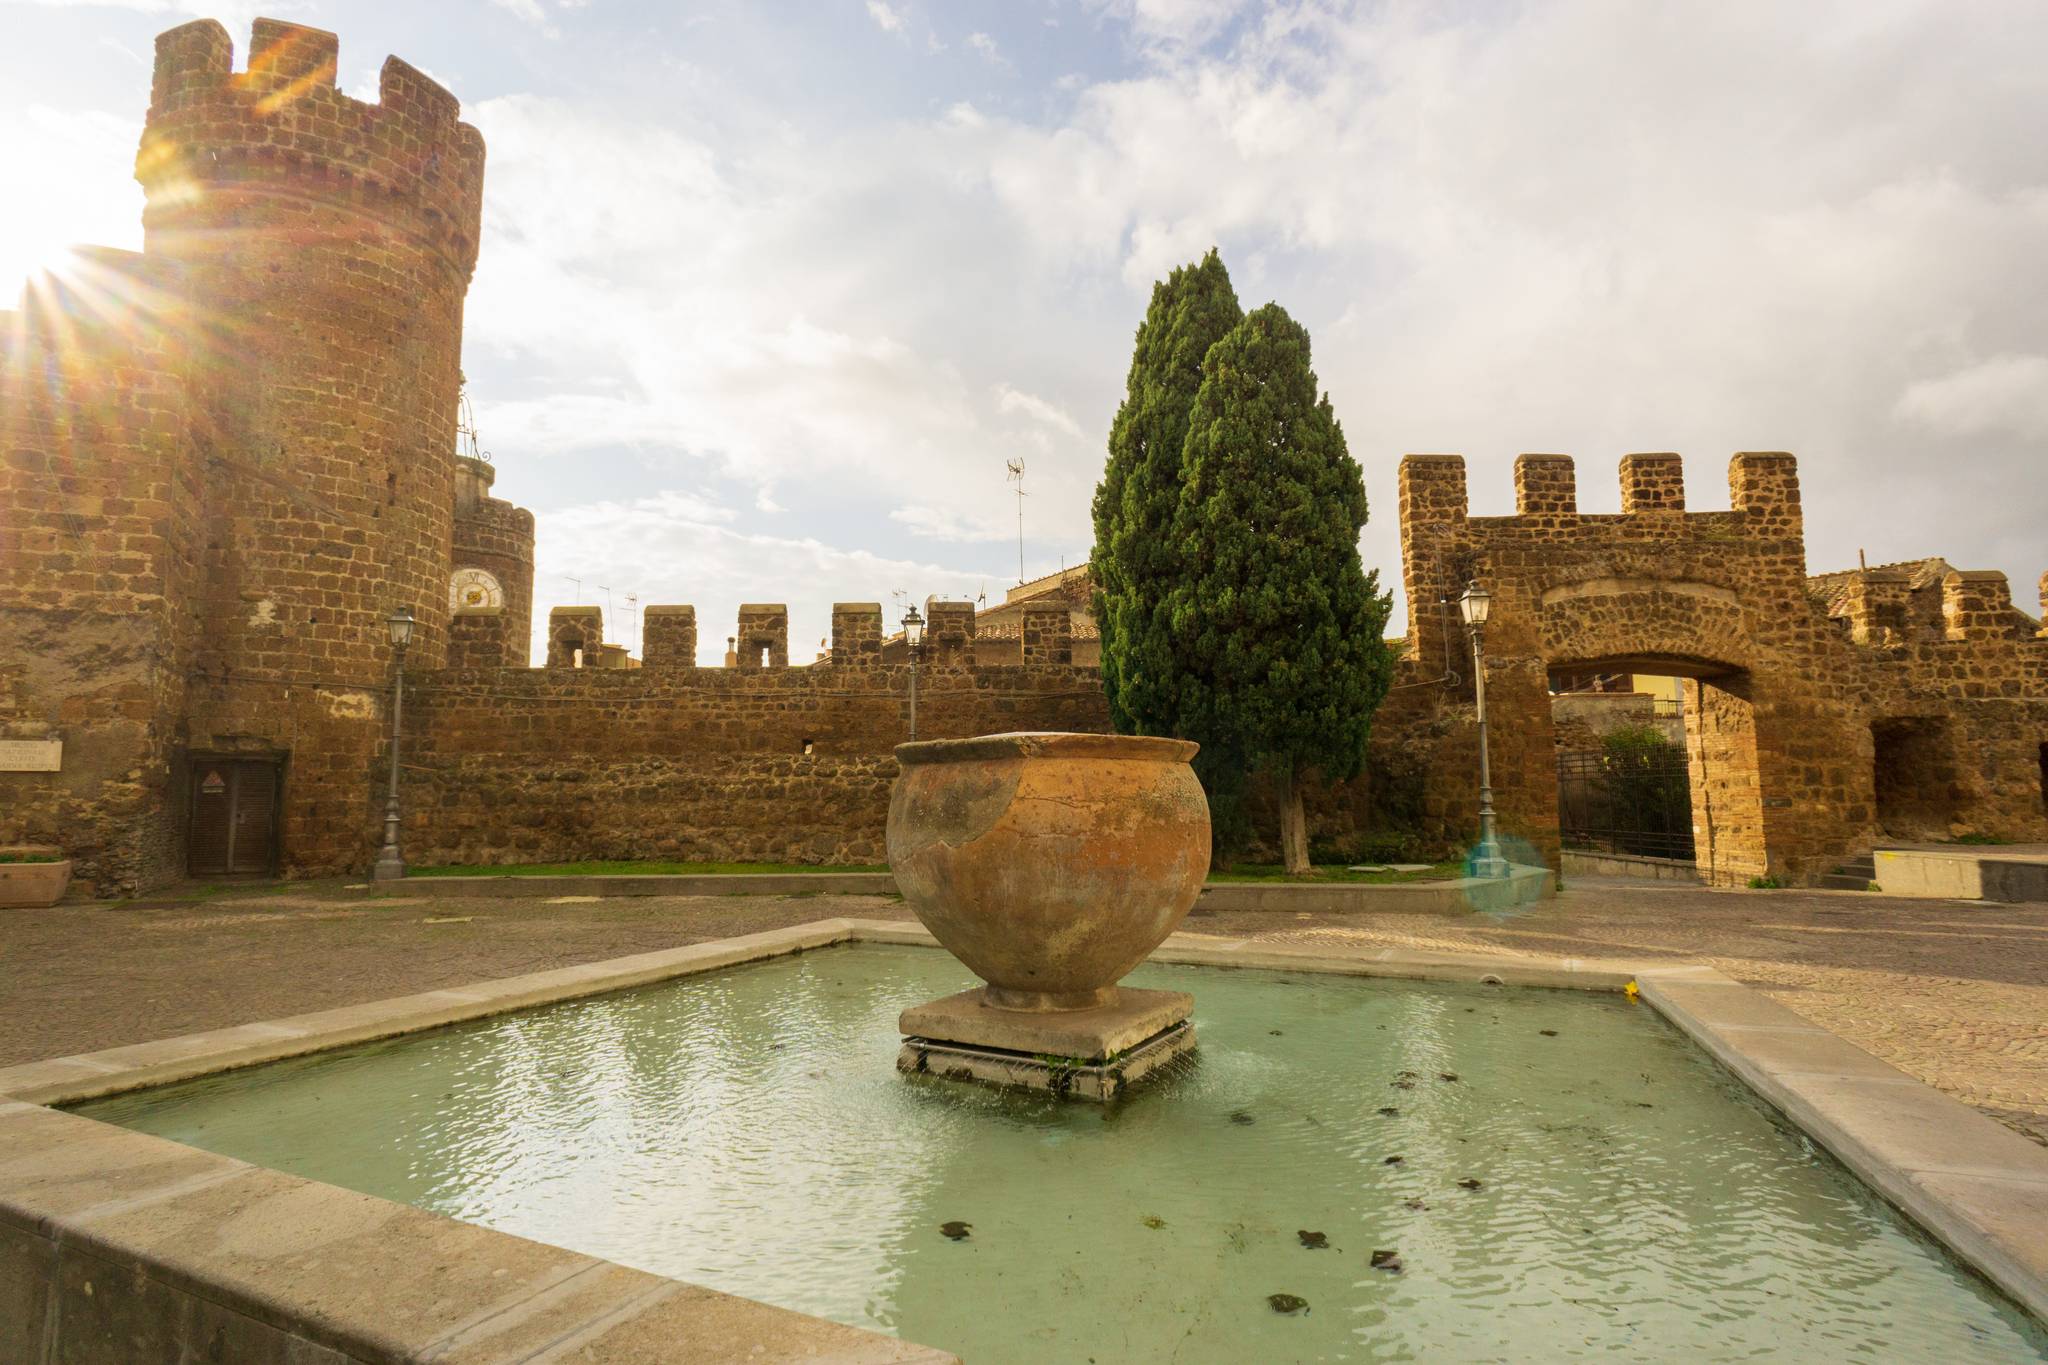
column 1954, row 993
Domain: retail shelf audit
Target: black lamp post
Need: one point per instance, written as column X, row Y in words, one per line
column 913, row 639
column 1474, row 607
column 390, row 863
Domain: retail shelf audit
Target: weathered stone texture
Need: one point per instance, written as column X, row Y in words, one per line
column 777, row 764
column 232, row 456
column 668, row 637
column 497, row 537
column 1822, row 716
column 763, row 635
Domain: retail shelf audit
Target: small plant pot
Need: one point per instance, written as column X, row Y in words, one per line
column 33, row 885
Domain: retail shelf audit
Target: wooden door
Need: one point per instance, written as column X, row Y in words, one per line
column 234, row 818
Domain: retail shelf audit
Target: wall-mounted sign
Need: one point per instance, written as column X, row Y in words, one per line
column 214, row 783
column 31, row 755
column 473, row 588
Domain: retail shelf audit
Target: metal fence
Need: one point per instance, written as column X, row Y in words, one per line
column 1638, row 803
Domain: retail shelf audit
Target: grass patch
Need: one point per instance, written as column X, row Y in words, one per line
column 1333, row 872
column 31, row 857
column 633, row 869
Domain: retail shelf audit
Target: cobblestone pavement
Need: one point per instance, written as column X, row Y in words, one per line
column 1952, row 992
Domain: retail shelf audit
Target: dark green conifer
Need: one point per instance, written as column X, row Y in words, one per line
column 1275, row 628
column 1133, row 563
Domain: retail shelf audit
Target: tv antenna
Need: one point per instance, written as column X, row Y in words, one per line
column 1016, row 467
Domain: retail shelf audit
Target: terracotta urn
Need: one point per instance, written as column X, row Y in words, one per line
column 1050, row 864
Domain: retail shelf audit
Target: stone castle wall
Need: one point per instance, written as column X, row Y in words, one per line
column 99, row 498
column 237, row 453
column 1794, row 720
column 673, row 761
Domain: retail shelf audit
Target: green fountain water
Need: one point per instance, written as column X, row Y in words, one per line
column 1560, row 1175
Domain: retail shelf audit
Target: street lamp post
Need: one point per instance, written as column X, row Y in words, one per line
column 913, row 639
column 1475, row 606
column 390, row 863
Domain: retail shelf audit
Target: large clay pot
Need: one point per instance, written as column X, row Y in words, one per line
column 1051, row 864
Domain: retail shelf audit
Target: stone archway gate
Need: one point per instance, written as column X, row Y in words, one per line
column 1782, row 697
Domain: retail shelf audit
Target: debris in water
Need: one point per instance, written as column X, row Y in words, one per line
column 1389, row 1261
column 1273, row 1033
column 1468, row 1183
column 1287, row 1303
column 1314, row 1241
column 1239, row 1116
column 1418, row 1206
column 1447, row 1075
column 1547, row 1032
column 1403, row 1085
column 1388, row 1111
column 1405, row 1075
column 1392, row 1161
column 956, row 1230
column 1153, row 1221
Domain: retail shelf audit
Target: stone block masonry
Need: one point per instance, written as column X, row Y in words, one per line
column 695, row 764
column 1822, row 715
column 669, row 637
column 232, row 455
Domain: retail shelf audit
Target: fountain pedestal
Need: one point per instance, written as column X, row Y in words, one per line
column 1088, row 1054
column 1051, row 865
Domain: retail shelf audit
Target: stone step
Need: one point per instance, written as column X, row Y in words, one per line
column 1846, row 881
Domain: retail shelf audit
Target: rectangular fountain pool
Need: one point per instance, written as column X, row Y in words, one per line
column 1559, row 1174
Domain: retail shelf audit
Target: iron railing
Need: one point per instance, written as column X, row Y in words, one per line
column 1638, row 803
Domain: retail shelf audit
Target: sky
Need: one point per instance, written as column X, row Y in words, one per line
column 771, row 291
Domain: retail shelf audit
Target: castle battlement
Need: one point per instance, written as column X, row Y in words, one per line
column 1043, row 637
column 406, row 160
column 1762, row 485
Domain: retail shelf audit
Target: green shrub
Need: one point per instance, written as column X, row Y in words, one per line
column 1765, row 884
column 18, row 857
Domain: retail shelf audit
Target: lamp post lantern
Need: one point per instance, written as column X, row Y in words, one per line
column 390, row 863
column 1474, row 607
column 913, row 639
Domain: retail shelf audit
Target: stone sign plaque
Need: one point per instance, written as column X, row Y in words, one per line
column 31, row 755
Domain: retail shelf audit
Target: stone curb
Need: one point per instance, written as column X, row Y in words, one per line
column 678, row 884
column 84, row 1203
column 1451, row 896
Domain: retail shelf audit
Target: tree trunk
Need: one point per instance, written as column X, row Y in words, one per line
column 1293, row 828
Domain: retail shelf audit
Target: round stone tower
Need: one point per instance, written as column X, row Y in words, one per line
column 325, row 247
column 320, row 249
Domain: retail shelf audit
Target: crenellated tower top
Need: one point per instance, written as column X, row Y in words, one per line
column 406, row 160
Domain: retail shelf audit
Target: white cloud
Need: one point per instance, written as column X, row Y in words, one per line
column 986, row 47
column 683, row 549
column 944, row 523
column 1588, row 226
column 886, row 16
column 1009, row 400
column 2007, row 393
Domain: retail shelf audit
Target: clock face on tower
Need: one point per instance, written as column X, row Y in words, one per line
column 473, row 589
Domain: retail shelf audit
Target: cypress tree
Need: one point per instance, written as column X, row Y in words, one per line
column 1275, row 622
column 1133, row 562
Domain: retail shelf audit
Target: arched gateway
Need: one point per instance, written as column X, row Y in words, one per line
column 1795, row 689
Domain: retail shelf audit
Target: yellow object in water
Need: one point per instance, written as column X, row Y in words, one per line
column 1630, row 990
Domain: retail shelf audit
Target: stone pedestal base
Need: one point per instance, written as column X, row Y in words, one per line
column 1090, row 1054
